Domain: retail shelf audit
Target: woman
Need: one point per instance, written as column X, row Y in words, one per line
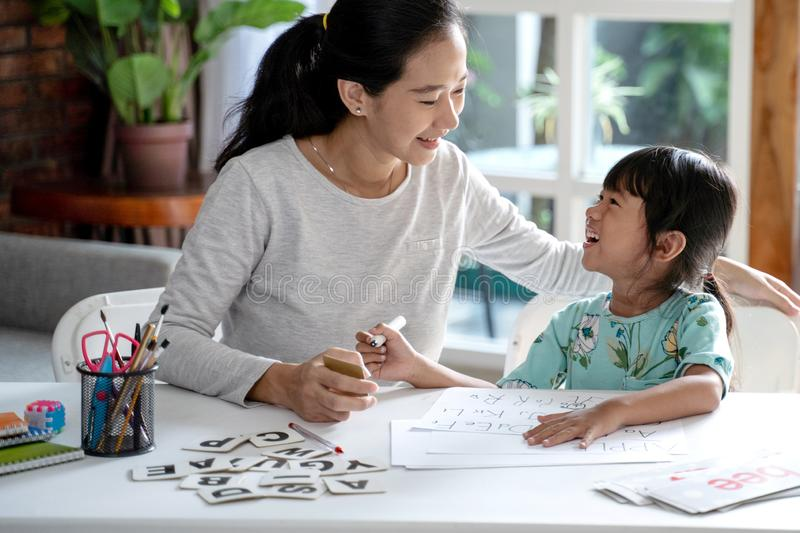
column 339, row 205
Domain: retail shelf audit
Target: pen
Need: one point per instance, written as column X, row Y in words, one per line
column 307, row 434
column 396, row 323
column 137, row 336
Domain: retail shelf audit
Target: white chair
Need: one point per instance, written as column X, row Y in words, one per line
column 766, row 348
column 765, row 343
column 531, row 321
column 122, row 309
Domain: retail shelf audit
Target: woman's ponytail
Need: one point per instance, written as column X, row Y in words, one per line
column 365, row 41
column 712, row 286
column 286, row 94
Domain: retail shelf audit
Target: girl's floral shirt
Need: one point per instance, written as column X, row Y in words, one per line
column 585, row 346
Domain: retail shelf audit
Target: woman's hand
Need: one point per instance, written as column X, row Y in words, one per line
column 587, row 424
column 396, row 360
column 313, row 391
column 753, row 284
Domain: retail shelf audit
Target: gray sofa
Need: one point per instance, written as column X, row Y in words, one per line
column 42, row 277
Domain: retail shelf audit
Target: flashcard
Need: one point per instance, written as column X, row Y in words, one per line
column 291, row 477
column 297, row 452
column 276, row 438
column 345, row 367
column 271, row 464
column 208, row 481
column 222, row 445
column 330, row 466
column 242, row 464
column 299, row 492
column 229, row 494
column 360, row 466
column 335, row 466
column 179, row 470
column 354, row 485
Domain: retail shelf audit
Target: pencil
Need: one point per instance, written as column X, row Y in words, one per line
column 309, row 435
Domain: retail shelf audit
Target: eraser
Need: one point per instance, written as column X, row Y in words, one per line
column 45, row 415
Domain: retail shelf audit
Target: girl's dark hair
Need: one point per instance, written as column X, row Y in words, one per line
column 688, row 192
column 366, row 41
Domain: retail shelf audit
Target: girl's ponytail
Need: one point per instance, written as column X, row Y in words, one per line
column 286, row 94
column 711, row 286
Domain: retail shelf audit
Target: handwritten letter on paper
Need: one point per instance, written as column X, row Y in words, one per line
column 514, row 411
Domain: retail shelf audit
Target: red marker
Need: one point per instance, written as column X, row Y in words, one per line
column 307, row 434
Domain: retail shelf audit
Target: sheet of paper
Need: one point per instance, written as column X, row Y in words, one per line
column 731, row 484
column 504, row 411
column 410, row 446
column 633, row 488
column 442, row 442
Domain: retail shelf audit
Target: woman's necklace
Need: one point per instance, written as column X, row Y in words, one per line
column 335, row 177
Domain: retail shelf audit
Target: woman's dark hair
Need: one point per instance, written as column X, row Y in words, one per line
column 366, row 41
column 688, row 192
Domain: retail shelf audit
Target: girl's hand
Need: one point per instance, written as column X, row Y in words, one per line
column 394, row 361
column 587, row 424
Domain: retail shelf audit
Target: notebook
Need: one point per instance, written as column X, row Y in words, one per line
column 34, row 434
column 36, row 455
column 11, row 424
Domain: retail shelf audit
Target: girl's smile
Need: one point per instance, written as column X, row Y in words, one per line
column 592, row 236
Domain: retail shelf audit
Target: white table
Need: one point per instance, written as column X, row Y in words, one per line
column 96, row 495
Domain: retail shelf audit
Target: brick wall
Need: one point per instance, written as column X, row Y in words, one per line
column 52, row 120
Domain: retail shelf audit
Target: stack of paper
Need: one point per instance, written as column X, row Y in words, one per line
column 720, row 483
column 482, row 428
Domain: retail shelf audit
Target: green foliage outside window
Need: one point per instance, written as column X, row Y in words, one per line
column 608, row 97
column 689, row 61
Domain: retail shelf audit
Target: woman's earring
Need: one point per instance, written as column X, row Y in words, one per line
column 358, row 111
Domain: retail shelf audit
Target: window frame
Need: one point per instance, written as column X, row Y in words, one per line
column 573, row 19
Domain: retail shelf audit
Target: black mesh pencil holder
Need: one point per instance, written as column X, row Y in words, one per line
column 117, row 412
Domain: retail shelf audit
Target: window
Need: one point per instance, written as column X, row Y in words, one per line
column 562, row 89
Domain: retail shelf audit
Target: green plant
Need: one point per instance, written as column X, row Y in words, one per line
column 608, row 97
column 689, row 62
column 479, row 70
column 135, row 50
column 479, row 66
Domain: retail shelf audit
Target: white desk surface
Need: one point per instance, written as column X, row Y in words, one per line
column 96, row 494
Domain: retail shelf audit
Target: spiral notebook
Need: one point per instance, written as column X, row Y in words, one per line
column 11, row 424
column 33, row 435
column 36, row 455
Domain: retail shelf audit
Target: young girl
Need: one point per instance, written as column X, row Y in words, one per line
column 658, row 225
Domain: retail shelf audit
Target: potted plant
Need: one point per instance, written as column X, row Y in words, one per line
column 608, row 98
column 137, row 52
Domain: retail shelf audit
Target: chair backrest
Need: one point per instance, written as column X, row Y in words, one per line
column 766, row 348
column 122, row 309
column 531, row 321
column 765, row 343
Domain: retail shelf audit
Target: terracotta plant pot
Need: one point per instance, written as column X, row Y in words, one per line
column 155, row 156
